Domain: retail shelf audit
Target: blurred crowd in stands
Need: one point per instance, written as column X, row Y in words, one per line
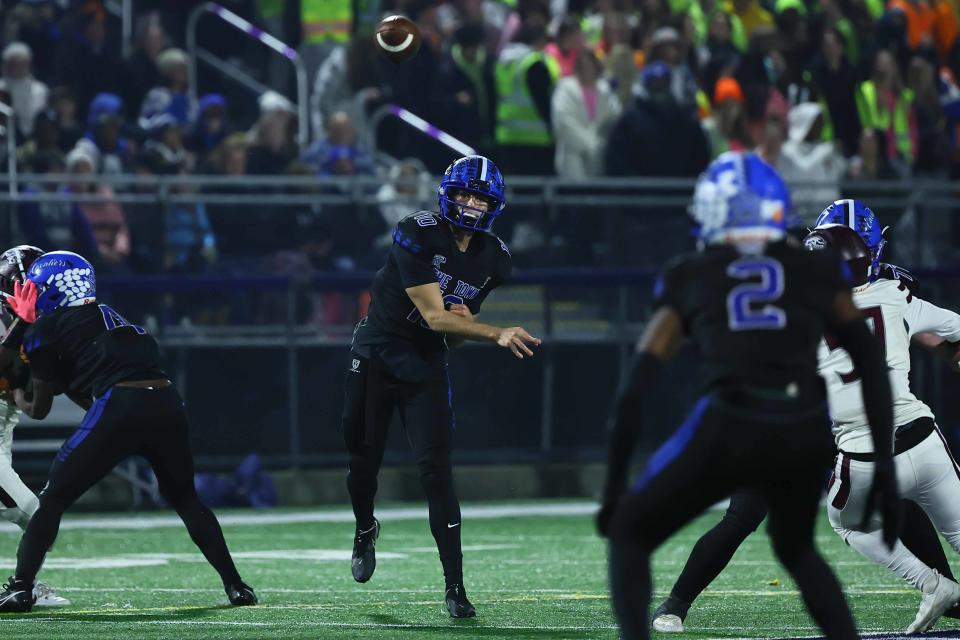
column 826, row 90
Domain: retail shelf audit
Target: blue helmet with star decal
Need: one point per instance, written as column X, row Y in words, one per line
column 740, row 198
column 476, row 175
column 63, row 279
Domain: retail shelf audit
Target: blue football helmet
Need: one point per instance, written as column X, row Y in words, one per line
column 740, row 198
column 63, row 279
column 477, row 175
column 859, row 217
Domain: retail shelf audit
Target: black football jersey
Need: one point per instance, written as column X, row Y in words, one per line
column 756, row 318
column 88, row 349
column 424, row 250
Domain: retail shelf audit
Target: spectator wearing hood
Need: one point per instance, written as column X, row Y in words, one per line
column 104, row 139
column 584, row 110
column 29, row 95
column 656, row 136
column 811, row 166
column 212, row 124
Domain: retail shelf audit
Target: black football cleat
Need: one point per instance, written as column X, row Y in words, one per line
column 364, row 560
column 17, row 597
column 457, row 603
column 241, row 595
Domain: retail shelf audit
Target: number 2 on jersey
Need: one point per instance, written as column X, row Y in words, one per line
column 114, row 320
column 741, row 314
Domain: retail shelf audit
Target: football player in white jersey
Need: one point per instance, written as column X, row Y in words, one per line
column 17, row 501
column 926, row 471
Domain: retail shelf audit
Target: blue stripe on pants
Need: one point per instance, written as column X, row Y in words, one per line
column 672, row 448
column 89, row 422
column 453, row 419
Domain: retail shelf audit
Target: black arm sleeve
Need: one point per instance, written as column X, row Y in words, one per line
column 541, row 90
column 627, row 419
column 868, row 359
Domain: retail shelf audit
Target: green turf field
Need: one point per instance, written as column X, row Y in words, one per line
column 530, row 576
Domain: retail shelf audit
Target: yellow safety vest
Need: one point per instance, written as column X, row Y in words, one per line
column 326, row 20
column 875, row 116
column 518, row 121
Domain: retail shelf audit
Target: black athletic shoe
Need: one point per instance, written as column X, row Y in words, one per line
column 953, row 612
column 17, row 597
column 457, row 603
column 241, row 595
column 669, row 616
column 364, row 559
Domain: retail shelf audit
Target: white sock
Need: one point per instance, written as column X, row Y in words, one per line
column 900, row 560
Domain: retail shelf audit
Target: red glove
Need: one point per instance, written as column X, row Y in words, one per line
column 24, row 301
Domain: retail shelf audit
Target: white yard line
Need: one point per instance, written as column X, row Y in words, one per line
column 557, row 593
column 321, row 623
column 256, row 518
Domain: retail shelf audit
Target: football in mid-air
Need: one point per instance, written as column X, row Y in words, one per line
column 398, row 38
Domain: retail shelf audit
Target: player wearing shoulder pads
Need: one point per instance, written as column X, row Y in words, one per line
column 439, row 271
column 17, row 500
column 757, row 306
column 925, row 470
column 90, row 351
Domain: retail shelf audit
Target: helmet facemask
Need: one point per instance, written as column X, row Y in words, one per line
column 466, row 216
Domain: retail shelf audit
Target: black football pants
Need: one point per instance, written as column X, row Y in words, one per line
column 126, row 421
column 372, row 395
column 719, row 449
